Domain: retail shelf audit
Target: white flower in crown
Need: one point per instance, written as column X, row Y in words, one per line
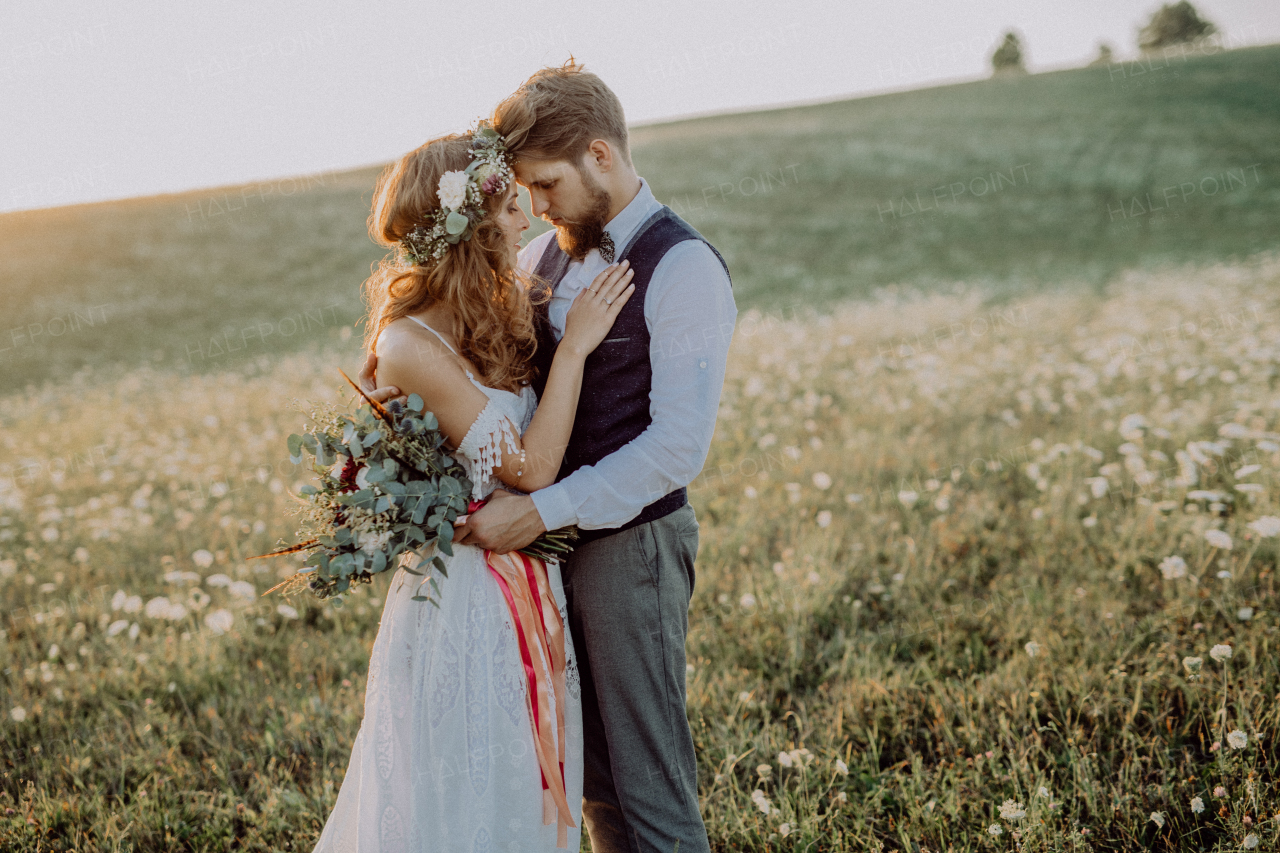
column 453, row 190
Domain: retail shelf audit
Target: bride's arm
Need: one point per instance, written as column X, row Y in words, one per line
column 424, row 367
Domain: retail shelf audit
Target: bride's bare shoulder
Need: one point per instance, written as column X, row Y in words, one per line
column 408, row 355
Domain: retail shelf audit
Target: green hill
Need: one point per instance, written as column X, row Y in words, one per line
column 1051, row 180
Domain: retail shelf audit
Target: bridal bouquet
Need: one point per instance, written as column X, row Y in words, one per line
column 387, row 488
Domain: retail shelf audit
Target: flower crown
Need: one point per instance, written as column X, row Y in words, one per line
column 462, row 199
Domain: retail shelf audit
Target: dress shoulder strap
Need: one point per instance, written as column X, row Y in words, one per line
column 434, row 332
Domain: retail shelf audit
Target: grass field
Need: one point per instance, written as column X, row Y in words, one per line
column 1054, row 180
column 952, row 556
column 997, row 457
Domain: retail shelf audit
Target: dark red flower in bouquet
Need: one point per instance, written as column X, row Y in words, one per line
column 348, row 476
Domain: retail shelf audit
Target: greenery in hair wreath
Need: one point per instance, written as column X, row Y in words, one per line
column 462, row 197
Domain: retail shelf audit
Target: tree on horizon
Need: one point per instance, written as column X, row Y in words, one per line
column 1106, row 55
column 1177, row 23
column 1008, row 56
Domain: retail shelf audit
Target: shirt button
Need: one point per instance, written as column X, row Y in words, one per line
column 702, row 363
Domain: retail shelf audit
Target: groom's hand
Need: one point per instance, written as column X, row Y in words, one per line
column 506, row 523
column 369, row 381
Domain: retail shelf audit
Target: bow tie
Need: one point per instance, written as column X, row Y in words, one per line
column 606, row 247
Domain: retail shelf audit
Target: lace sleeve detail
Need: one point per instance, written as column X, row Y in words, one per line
column 481, row 446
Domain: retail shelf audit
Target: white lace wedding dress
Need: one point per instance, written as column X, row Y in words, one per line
column 445, row 759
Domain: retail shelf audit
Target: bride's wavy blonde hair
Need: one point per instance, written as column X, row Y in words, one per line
column 491, row 300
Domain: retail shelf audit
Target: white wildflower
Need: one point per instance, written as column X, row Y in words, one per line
column 1157, row 819
column 452, row 190
column 822, row 480
column 824, row 518
column 18, row 714
column 287, row 612
column 1244, row 614
column 784, row 829
column 117, row 626
column 1218, row 539
column 1173, row 567
column 761, row 801
column 202, row 558
column 1220, row 652
column 1043, row 792
column 157, row 608
column 995, row 830
column 747, row 601
column 1011, row 810
column 764, row 771
column 1197, row 805
column 1132, row 427
column 1250, row 841
column 908, row 498
column 242, row 589
column 842, row 768
column 784, row 759
column 219, row 621
column 1267, row 526
column 1033, row 648
column 1192, row 665
column 218, row 580
column 1237, row 739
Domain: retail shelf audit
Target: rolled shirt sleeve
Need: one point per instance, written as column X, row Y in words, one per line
column 690, row 312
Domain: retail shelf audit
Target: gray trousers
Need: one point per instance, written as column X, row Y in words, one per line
column 628, row 600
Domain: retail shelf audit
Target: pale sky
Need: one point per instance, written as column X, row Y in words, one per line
column 102, row 101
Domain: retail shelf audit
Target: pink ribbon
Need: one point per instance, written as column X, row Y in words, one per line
column 527, row 590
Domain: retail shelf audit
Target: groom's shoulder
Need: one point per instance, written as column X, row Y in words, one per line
column 689, row 252
column 528, row 257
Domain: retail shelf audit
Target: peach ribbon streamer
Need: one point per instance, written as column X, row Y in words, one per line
column 524, row 583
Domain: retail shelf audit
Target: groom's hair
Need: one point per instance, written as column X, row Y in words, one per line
column 556, row 114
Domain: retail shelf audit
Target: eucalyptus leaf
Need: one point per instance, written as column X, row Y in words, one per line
column 455, row 223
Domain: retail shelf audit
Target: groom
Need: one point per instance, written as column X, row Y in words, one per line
column 643, row 428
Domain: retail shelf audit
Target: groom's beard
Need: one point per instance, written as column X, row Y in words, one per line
column 578, row 238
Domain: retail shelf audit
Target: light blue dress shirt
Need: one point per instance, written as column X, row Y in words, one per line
column 690, row 314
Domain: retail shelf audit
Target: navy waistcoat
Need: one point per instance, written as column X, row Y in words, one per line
column 613, row 408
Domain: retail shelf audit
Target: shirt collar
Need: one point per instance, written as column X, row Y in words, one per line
column 621, row 228
column 631, row 217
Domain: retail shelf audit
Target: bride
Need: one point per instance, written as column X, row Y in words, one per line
column 471, row 738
